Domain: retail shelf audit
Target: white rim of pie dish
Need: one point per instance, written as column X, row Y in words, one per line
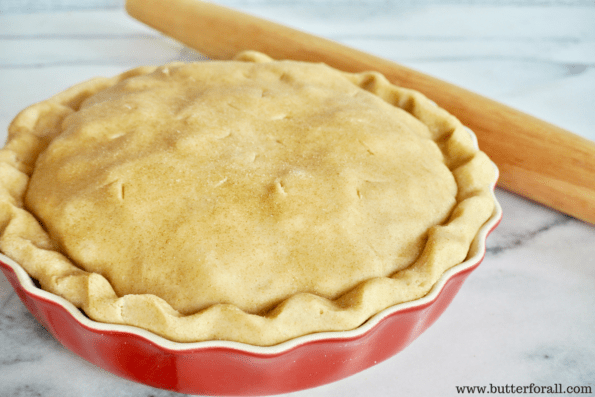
column 477, row 249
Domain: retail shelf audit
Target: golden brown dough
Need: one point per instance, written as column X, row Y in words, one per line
column 249, row 200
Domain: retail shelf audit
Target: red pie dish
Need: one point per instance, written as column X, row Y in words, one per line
column 229, row 368
column 251, row 227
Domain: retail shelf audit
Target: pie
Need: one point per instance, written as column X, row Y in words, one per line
column 250, row 200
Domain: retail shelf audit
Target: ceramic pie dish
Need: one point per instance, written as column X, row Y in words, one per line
column 251, row 227
column 229, row 368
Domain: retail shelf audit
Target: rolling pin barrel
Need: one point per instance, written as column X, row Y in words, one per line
column 536, row 159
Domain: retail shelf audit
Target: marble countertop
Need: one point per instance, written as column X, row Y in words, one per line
column 526, row 315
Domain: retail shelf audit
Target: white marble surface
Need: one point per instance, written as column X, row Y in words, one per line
column 526, row 315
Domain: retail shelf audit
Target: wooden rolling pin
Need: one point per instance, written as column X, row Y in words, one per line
column 536, row 159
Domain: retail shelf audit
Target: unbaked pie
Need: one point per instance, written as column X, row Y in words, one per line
column 250, row 200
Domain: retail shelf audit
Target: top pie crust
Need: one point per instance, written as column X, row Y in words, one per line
column 250, row 200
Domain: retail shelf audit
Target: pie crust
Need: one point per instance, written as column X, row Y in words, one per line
column 250, row 200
